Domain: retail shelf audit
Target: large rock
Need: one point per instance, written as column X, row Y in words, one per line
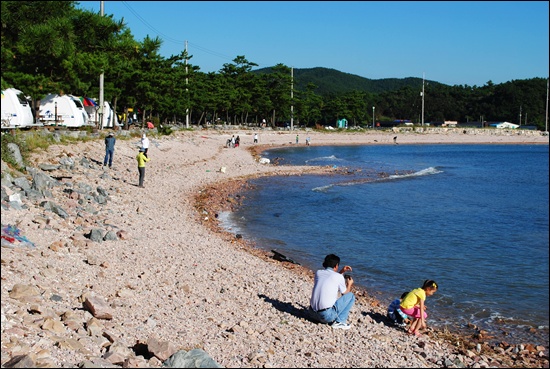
column 22, row 292
column 195, row 358
column 98, row 307
column 15, row 153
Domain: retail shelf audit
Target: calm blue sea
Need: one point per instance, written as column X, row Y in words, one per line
column 472, row 217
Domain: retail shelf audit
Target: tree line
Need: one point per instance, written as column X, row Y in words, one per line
column 55, row 47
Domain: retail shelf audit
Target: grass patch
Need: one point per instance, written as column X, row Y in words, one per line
column 29, row 142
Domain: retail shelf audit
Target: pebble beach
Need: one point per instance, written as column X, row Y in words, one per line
column 126, row 276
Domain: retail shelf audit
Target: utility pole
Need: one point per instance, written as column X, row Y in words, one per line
column 546, row 121
column 423, row 75
column 292, row 98
column 101, row 77
column 186, row 90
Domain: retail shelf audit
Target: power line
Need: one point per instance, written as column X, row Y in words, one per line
column 211, row 52
column 151, row 27
column 168, row 38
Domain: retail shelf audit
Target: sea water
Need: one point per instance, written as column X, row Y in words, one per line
column 474, row 218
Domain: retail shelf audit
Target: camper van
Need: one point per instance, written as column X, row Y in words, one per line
column 64, row 111
column 16, row 110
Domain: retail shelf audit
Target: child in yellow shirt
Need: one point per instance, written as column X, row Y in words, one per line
column 141, row 159
column 413, row 305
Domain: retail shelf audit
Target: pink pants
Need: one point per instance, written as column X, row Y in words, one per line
column 414, row 312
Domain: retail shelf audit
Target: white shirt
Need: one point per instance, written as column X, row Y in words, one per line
column 145, row 142
column 325, row 289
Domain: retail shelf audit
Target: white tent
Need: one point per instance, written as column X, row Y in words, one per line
column 68, row 108
column 507, row 125
column 16, row 110
column 110, row 120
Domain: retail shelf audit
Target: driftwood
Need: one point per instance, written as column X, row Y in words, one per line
column 280, row 257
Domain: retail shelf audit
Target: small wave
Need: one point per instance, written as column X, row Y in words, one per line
column 228, row 222
column 323, row 188
column 423, row 172
column 331, row 158
column 420, row 173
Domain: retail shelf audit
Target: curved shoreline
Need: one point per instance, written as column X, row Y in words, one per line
column 171, row 276
column 235, row 188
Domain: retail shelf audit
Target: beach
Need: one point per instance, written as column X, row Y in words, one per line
column 172, row 279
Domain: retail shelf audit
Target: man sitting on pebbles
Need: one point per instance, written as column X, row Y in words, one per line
column 325, row 304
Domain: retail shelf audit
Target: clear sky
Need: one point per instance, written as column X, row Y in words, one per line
column 452, row 42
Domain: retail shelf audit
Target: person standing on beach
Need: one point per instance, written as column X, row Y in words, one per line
column 395, row 140
column 413, row 305
column 325, row 304
column 145, row 144
column 255, row 138
column 110, row 141
column 296, row 139
column 141, row 159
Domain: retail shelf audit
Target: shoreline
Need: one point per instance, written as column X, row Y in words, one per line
column 234, row 189
column 171, row 276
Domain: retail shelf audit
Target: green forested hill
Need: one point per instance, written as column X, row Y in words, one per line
column 333, row 82
column 42, row 60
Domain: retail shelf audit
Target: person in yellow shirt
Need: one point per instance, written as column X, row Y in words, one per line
column 413, row 305
column 141, row 159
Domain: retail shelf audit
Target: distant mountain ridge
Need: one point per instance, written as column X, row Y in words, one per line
column 331, row 81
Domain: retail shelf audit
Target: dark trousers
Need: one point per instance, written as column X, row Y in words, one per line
column 141, row 171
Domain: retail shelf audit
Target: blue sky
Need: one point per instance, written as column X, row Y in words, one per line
column 456, row 43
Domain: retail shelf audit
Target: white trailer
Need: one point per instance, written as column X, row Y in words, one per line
column 16, row 110
column 63, row 111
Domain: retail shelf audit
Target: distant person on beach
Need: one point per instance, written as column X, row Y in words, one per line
column 413, row 306
column 395, row 140
column 141, row 159
column 395, row 314
column 329, row 283
column 233, row 141
column 255, row 138
column 110, row 141
column 237, row 141
column 145, row 144
column 296, row 139
column 307, row 140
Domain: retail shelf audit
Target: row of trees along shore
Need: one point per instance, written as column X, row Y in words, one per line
column 55, row 47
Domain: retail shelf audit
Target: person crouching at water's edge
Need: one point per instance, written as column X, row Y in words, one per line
column 414, row 306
